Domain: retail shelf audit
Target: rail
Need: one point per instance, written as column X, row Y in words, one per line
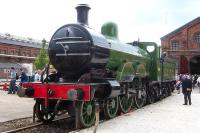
column 34, row 125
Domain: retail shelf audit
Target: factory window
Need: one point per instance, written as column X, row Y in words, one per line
column 11, row 52
column 197, row 37
column 175, row 45
column 34, row 55
column 16, row 52
column 28, row 54
column 3, row 51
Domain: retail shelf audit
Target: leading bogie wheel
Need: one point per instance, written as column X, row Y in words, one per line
column 43, row 115
column 111, row 108
column 86, row 113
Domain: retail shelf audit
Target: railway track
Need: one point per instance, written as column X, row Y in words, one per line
column 70, row 129
column 23, row 128
column 34, row 125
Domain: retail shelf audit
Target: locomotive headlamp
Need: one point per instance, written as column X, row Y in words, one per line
column 75, row 94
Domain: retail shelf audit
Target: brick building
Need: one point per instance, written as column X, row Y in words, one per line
column 183, row 44
column 16, row 50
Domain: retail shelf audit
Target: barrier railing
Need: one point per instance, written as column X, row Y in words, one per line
column 4, row 83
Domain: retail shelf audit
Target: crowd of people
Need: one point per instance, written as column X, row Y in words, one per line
column 194, row 78
column 187, row 82
column 22, row 77
column 13, row 75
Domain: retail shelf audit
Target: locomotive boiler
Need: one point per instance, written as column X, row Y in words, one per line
column 96, row 68
column 75, row 49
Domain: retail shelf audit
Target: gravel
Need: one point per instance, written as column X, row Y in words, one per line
column 13, row 124
column 61, row 126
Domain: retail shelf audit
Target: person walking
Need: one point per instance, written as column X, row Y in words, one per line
column 187, row 89
column 12, row 88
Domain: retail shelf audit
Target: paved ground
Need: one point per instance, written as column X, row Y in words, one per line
column 166, row 116
column 13, row 107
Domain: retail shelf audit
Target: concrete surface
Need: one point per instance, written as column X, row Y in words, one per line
column 166, row 116
column 14, row 107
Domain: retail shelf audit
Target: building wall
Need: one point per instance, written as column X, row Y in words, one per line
column 188, row 46
column 191, row 31
column 3, row 74
column 18, row 50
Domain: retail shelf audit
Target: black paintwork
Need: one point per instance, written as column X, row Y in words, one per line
column 75, row 49
column 82, row 13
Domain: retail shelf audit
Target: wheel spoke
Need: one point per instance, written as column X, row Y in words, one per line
column 41, row 114
column 125, row 103
column 140, row 98
column 111, row 108
column 87, row 113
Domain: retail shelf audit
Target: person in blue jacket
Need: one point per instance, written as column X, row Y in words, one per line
column 23, row 77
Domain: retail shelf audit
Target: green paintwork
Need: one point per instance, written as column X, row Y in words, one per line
column 169, row 69
column 87, row 113
column 126, row 59
column 153, row 68
column 110, row 29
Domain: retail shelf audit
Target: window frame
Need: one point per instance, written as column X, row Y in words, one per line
column 196, row 37
column 175, row 45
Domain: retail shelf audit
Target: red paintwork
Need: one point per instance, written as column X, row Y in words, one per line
column 184, row 65
column 60, row 90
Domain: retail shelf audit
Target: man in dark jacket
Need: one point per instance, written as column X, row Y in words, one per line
column 187, row 89
column 23, row 77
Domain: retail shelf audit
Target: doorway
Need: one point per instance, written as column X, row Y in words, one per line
column 195, row 65
column 183, row 65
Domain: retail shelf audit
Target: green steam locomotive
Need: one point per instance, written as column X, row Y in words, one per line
column 97, row 69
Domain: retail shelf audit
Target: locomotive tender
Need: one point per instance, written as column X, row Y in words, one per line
column 97, row 68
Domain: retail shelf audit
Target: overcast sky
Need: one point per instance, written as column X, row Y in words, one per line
column 147, row 20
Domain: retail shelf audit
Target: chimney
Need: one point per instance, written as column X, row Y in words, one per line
column 82, row 13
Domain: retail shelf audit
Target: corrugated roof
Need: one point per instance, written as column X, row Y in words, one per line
column 21, row 41
column 196, row 20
